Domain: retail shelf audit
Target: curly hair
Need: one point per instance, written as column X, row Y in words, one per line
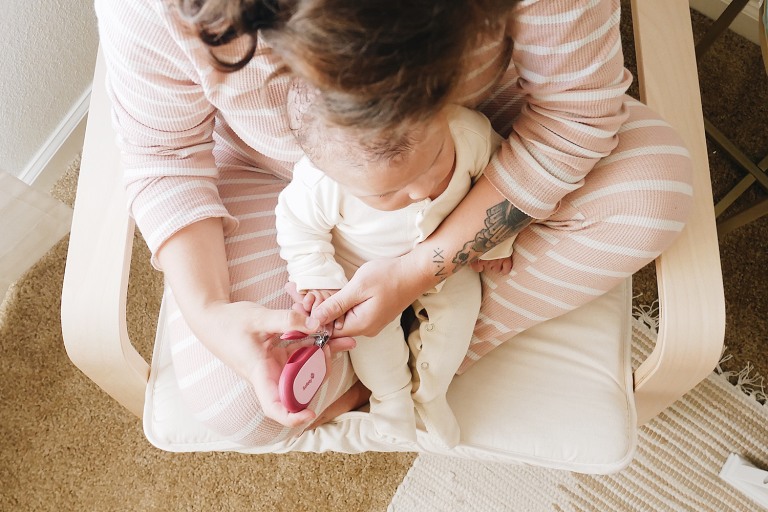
column 378, row 63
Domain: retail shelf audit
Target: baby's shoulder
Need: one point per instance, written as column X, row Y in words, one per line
column 305, row 173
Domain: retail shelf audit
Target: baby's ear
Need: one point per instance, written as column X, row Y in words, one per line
column 300, row 99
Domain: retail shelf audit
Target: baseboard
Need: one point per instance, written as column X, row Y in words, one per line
column 745, row 24
column 61, row 148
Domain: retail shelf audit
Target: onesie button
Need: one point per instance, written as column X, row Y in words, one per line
column 424, row 366
column 430, row 327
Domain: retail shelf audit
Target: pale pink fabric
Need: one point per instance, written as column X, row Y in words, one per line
column 608, row 181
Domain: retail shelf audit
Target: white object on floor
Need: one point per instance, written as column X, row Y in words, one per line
column 747, row 478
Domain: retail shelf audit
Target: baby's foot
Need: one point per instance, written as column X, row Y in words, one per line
column 393, row 416
column 440, row 421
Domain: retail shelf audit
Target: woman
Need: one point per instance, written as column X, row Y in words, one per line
column 199, row 89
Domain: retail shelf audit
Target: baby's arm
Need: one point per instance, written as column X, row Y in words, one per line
column 304, row 225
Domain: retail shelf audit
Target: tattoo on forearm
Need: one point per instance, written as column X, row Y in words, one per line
column 439, row 260
column 501, row 222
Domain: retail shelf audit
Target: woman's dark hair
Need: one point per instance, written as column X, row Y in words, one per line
column 377, row 63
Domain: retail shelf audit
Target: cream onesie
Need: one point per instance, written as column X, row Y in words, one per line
column 325, row 234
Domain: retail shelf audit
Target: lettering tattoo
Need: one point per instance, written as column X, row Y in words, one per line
column 439, row 260
column 501, row 222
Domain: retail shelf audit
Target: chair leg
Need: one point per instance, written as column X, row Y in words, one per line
column 719, row 26
column 745, row 217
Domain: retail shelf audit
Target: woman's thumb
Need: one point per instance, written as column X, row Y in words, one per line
column 331, row 308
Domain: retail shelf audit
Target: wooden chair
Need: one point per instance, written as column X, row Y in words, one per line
column 560, row 395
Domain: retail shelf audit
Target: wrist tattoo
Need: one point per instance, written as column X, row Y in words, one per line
column 501, row 222
column 439, row 260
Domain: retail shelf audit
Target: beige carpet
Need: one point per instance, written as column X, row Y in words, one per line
column 66, row 446
column 679, row 456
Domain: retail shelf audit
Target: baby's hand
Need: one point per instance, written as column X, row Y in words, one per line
column 313, row 298
column 500, row 266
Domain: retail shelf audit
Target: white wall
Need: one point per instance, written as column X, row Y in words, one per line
column 47, row 56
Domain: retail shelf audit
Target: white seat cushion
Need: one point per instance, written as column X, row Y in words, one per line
column 558, row 395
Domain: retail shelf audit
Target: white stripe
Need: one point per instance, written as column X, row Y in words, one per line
column 480, row 69
column 487, row 281
column 579, row 127
column 495, row 323
column 161, row 169
column 523, row 153
column 557, row 19
column 199, row 374
column 507, row 106
column 256, row 215
column 181, row 346
column 253, row 197
column 581, row 96
column 471, row 354
column 572, row 45
column 522, row 251
column 546, row 298
column 646, row 222
column 585, row 268
column 177, row 190
column 268, row 298
column 248, row 282
column 514, row 185
column 543, row 234
column 517, row 309
column 250, row 236
column 643, row 123
column 536, row 78
column 162, row 231
column 250, row 181
column 633, row 103
column 254, row 424
column 252, row 257
column 613, row 249
column 173, row 317
column 643, row 151
column 632, row 186
column 563, row 284
column 225, row 401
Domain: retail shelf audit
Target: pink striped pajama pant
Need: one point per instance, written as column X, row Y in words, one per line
column 631, row 207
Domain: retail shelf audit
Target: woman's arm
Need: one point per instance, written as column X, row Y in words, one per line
column 483, row 219
column 241, row 334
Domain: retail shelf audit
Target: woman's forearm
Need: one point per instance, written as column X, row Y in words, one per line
column 481, row 221
column 194, row 263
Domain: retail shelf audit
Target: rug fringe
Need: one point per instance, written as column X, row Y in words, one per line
column 648, row 315
column 749, row 382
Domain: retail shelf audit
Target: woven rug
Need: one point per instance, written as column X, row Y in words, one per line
column 679, row 456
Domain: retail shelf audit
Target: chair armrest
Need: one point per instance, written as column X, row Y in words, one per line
column 692, row 304
column 95, row 287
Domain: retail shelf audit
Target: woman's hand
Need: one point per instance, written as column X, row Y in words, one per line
column 246, row 336
column 243, row 335
column 378, row 292
column 309, row 300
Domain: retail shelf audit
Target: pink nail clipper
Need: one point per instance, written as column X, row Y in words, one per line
column 304, row 371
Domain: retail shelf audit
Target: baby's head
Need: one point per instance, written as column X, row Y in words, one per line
column 387, row 170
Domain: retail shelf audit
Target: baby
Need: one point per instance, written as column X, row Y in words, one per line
column 355, row 198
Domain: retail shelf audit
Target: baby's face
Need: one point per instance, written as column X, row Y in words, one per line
column 422, row 172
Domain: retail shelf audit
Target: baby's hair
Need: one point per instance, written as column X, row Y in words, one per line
column 320, row 138
column 379, row 63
